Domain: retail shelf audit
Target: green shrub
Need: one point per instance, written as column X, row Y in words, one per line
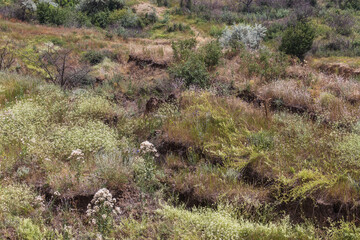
column 212, row 53
column 15, row 87
column 51, row 14
column 112, row 167
column 27, row 230
column 82, row 19
column 17, row 200
column 298, row 39
column 67, row 3
column 151, row 17
column 192, row 71
column 145, row 174
column 221, row 224
column 100, row 19
column 94, row 6
column 93, row 57
column 345, row 231
column 266, row 64
column 94, row 107
column 174, row 27
column 23, row 123
column 262, row 140
column 216, row 31
column 351, row 4
column 125, row 17
column 274, row 30
column 90, row 137
column 349, row 150
column 182, row 49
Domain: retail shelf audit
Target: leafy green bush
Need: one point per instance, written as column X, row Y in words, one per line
column 94, row 107
column 216, row 31
column 151, row 17
column 15, row 87
column 18, row 200
column 265, row 63
column 90, row 137
column 23, row 122
column 82, row 20
column 182, row 49
column 192, row 71
column 125, row 17
column 94, row 6
column 100, row 19
column 221, row 224
column 298, row 39
column 351, row 4
column 67, row 3
column 177, row 27
column 27, row 230
column 262, row 140
column 212, row 53
column 349, row 150
column 145, row 174
column 274, row 30
column 346, row 231
column 93, row 57
column 112, row 167
column 48, row 13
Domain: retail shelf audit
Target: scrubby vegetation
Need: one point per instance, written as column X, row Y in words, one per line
column 179, row 119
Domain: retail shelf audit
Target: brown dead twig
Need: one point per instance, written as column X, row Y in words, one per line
column 61, row 67
column 7, row 58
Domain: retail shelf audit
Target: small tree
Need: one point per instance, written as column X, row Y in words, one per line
column 246, row 4
column 7, row 58
column 297, row 39
column 61, row 68
column 192, row 71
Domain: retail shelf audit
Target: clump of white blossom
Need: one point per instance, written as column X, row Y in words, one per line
column 77, row 154
column 147, row 147
column 40, row 203
column 250, row 36
column 101, row 210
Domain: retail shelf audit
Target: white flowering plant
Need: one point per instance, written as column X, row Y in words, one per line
column 144, row 167
column 147, row 148
column 101, row 211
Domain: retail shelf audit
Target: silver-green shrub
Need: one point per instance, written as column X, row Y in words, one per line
column 250, row 36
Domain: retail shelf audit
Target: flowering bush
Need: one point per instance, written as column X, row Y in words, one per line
column 94, row 107
column 19, row 200
column 250, row 36
column 101, row 210
column 90, row 137
column 145, row 169
column 23, row 123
